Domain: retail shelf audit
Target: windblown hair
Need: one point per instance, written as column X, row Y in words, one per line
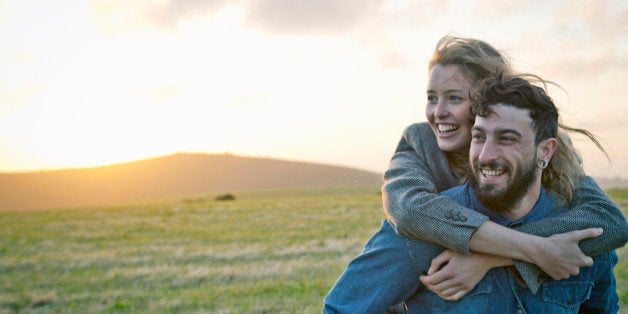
column 477, row 60
column 564, row 168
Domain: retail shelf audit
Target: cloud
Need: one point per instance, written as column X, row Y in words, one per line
column 169, row 14
column 396, row 59
column 116, row 16
column 501, row 8
column 160, row 94
column 574, row 39
column 310, row 17
column 248, row 100
column 599, row 19
column 122, row 15
column 590, row 37
column 592, row 65
column 609, row 123
column 16, row 97
column 273, row 16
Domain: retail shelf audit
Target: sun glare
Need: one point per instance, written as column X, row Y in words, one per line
column 106, row 81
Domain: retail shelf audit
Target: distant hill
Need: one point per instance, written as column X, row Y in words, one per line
column 174, row 176
column 612, row 183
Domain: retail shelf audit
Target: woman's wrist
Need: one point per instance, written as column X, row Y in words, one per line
column 494, row 239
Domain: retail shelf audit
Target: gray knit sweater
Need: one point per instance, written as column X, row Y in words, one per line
column 419, row 170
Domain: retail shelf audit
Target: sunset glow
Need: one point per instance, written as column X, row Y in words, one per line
column 86, row 83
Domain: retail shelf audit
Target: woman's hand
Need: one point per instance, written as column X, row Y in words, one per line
column 560, row 256
column 452, row 275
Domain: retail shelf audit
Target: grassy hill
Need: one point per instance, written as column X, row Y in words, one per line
column 258, row 255
column 273, row 255
column 167, row 178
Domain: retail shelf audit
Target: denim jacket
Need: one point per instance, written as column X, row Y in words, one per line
column 502, row 291
column 387, row 273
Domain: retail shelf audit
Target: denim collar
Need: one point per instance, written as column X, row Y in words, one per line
column 538, row 212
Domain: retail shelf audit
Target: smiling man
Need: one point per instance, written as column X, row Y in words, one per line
column 513, row 140
column 506, row 162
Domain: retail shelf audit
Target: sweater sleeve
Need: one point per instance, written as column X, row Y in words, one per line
column 418, row 171
column 591, row 208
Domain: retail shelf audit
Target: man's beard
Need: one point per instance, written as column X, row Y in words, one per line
column 508, row 197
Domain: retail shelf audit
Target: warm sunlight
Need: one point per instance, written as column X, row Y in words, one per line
column 111, row 81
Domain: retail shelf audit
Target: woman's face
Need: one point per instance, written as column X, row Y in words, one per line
column 448, row 108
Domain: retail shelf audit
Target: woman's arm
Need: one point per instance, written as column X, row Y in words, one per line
column 418, row 171
column 559, row 245
column 592, row 208
column 557, row 255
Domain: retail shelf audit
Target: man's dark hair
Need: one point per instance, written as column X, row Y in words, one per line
column 520, row 93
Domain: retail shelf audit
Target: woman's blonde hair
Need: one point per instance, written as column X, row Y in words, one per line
column 478, row 60
column 565, row 168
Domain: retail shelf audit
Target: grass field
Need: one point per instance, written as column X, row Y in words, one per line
column 252, row 255
column 620, row 196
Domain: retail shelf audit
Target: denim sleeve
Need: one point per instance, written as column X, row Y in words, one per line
column 381, row 276
column 591, row 208
column 603, row 298
column 418, row 171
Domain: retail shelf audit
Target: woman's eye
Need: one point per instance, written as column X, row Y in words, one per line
column 454, row 98
column 432, row 99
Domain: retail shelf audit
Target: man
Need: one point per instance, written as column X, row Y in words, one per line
column 513, row 139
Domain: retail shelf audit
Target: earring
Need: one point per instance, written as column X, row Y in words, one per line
column 542, row 164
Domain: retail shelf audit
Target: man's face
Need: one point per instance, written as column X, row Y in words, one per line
column 502, row 157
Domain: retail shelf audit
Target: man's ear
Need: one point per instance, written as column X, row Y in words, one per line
column 546, row 149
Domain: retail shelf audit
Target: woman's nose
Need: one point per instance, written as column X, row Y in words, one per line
column 441, row 108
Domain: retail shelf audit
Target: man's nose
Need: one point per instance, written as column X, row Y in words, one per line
column 488, row 153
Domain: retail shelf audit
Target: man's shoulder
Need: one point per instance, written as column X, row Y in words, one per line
column 555, row 202
column 459, row 194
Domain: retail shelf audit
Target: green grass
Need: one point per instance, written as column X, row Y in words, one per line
column 244, row 256
column 620, row 196
column 252, row 255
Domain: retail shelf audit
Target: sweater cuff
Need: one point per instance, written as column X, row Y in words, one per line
column 532, row 275
column 471, row 226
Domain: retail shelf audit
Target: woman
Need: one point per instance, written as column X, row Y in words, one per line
column 432, row 157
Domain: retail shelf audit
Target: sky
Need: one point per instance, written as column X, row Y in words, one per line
column 88, row 83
